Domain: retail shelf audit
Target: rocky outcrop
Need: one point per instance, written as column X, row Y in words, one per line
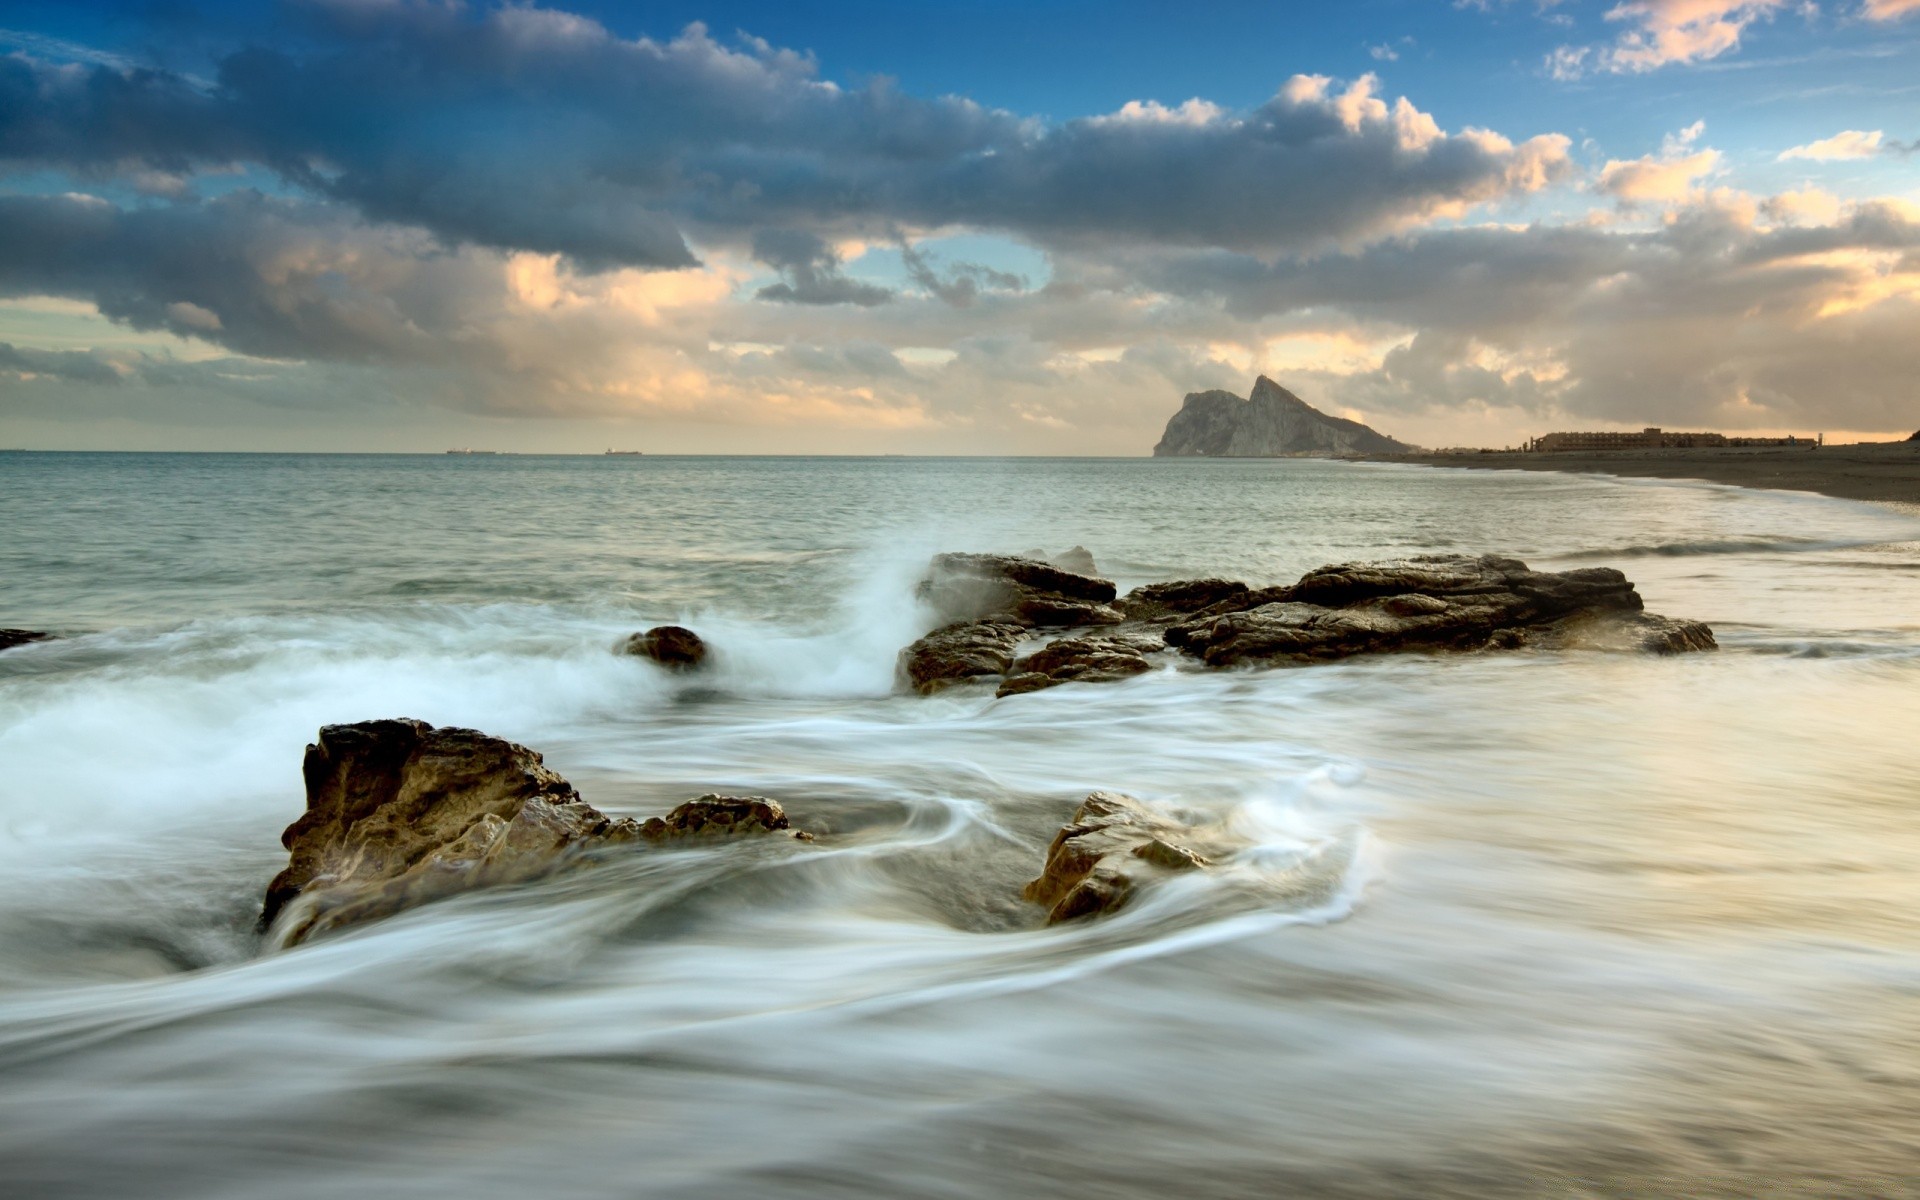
column 967, row 650
column 400, row 813
column 1271, row 422
column 1097, row 658
column 9, row 638
column 718, row 816
column 1432, row 602
column 1098, row 860
column 672, row 646
column 1024, row 591
column 1160, row 601
column 992, row 602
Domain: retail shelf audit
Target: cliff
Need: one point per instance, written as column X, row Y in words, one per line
column 1269, row 423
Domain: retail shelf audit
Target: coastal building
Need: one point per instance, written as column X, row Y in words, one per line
column 1653, row 438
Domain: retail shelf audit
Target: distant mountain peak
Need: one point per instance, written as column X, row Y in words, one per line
column 1270, row 422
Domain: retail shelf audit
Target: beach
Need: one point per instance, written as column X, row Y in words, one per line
column 1882, row 471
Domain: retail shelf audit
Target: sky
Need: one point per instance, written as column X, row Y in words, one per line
column 968, row 227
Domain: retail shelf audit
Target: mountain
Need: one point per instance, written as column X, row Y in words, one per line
column 1270, row 423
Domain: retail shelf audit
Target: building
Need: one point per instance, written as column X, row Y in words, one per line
column 1654, row 438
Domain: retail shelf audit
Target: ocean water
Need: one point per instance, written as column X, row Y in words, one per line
column 1522, row 924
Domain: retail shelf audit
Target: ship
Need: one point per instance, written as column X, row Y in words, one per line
column 472, row 451
column 625, row 453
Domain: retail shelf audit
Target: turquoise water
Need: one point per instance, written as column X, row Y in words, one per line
column 1507, row 925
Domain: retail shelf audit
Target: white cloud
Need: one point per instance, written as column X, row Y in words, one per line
column 1668, row 178
column 1850, row 143
column 1664, row 32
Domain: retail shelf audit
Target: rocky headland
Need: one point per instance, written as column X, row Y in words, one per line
column 1271, row 422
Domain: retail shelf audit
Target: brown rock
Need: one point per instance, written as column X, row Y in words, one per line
column 9, row 638
column 672, row 646
column 717, row 816
column 963, row 651
column 972, row 587
column 1434, row 602
column 400, row 813
column 1097, row 659
column 1178, row 596
column 1113, row 844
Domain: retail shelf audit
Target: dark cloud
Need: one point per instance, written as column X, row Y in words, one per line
column 959, row 284
column 811, row 271
column 526, row 128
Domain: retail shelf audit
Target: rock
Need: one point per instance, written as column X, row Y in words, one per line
column 1079, row 560
column 1096, row 659
column 961, row 651
column 1271, row 421
column 9, row 638
column 1642, row 632
column 1432, row 602
column 672, row 646
column 717, row 816
column 1158, row 600
column 1002, row 587
column 1097, row 861
column 400, row 813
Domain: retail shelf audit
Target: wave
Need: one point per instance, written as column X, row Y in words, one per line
column 1689, row 549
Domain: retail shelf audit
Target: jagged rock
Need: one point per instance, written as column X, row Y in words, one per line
column 1002, row 587
column 400, row 813
column 717, row 816
column 961, row 651
column 1096, row 861
column 1096, row 659
column 1271, row 421
column 1181, row 596
column 672, row 646
column 1431, row 602
column 9, row 638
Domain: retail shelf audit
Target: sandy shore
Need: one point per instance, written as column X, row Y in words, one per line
column 1864, row 471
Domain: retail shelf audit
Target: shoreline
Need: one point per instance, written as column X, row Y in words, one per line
column 1874, row 471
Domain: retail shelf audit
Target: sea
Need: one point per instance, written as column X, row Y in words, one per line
column 1513, row 924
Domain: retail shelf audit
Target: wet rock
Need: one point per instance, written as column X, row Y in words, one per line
column 1627, row 633
column 1003, row 587
column 400, row 813
column 1433, row 602
column 9, row 638
column 718, row 816
column 1096, row 659
column 1113, row 844
column 1180, row 596
column 672, row 646
column 966, row 650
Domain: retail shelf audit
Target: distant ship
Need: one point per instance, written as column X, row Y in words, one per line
column 626, row 453
column 468, row 451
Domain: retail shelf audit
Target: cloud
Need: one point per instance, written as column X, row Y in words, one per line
column 961, row 284
column 541, row 131
column 1888, row 10
column 1664, row 179
column 812, row 271
column 1661, row 33
column 1708, row 318
column 1849, row 143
